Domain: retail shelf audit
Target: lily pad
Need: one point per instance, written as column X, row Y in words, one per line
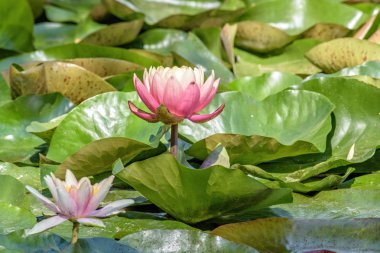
column 115, row 34
column 326, row 32
column 161, row 241
column 26, row 175
column 291, row 60
column 265, row 85
column 341, row 53
column 195, row 52
column 170, row 186
column 118, row 227
column 16, row 26
column 71, row 51
column 125, row 9
column 98, row 156
column 284, row 235
column 45, row 130
column 288, row 117
column 14, row 218
column 17, row 144
column 308, row 14
column 103, row 116
column 72, row 81
column 42, row 243
column 260, row 37
column 356, row 143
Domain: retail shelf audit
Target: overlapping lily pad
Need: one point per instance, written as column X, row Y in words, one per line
column 280, row 117
column 170, row 186
column 17, row 143
column 284, row 235
column 103, row 116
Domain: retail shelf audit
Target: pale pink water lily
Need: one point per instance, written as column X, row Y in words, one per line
column 175, row 94
column 76, row 201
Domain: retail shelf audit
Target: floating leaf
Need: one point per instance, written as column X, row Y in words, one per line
column 118, row 227
column 295, row 16
column 194, row 51
column 98, row 156
column 291, row 60
column 356, row 143
column 16, row 26
column 72, row 81
column 285, row 235
column 265, row 85
column 170, row 186
column 125, row 9
column 103, row 116
column 326, row 32
column 26, row 175
column 45, row 130
column 341, row 53
column 71, row 51
column 14, row 218
column 161, row 241
column 17, row 144
column 42, row 243
column 283, row 117
column 115, row 34
column 260, row 37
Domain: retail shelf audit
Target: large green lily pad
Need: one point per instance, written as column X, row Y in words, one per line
column 103, row 116
column 170, row 186
column 287, row 117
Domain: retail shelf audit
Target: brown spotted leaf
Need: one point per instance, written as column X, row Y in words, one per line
column 326, row 32
column 115, row 34
column 341, row 53
column 73, row 81
column 260, row 37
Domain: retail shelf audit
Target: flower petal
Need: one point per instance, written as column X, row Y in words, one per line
column 84, row 195
column 112, row 207
column 189, row 100
column 172, row 97
column 91, row 222
column 70, row 178
column 201, row 118
column 43, row 199
column 52, row 186
column 66, row 203
column 158, row 85
column 142, row 114
column 101, row 193
column 144, row 94
column 208, row 92
column 46, row 224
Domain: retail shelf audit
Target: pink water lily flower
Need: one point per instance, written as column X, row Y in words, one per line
column 76, row 201
column 175, row 94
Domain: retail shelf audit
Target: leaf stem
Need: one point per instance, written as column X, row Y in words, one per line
column 174, row 140
column 74, row 237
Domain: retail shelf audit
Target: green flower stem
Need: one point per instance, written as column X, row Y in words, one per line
column 174, row 140
column 74, row 237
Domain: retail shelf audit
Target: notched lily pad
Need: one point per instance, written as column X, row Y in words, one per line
column 170, row 186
